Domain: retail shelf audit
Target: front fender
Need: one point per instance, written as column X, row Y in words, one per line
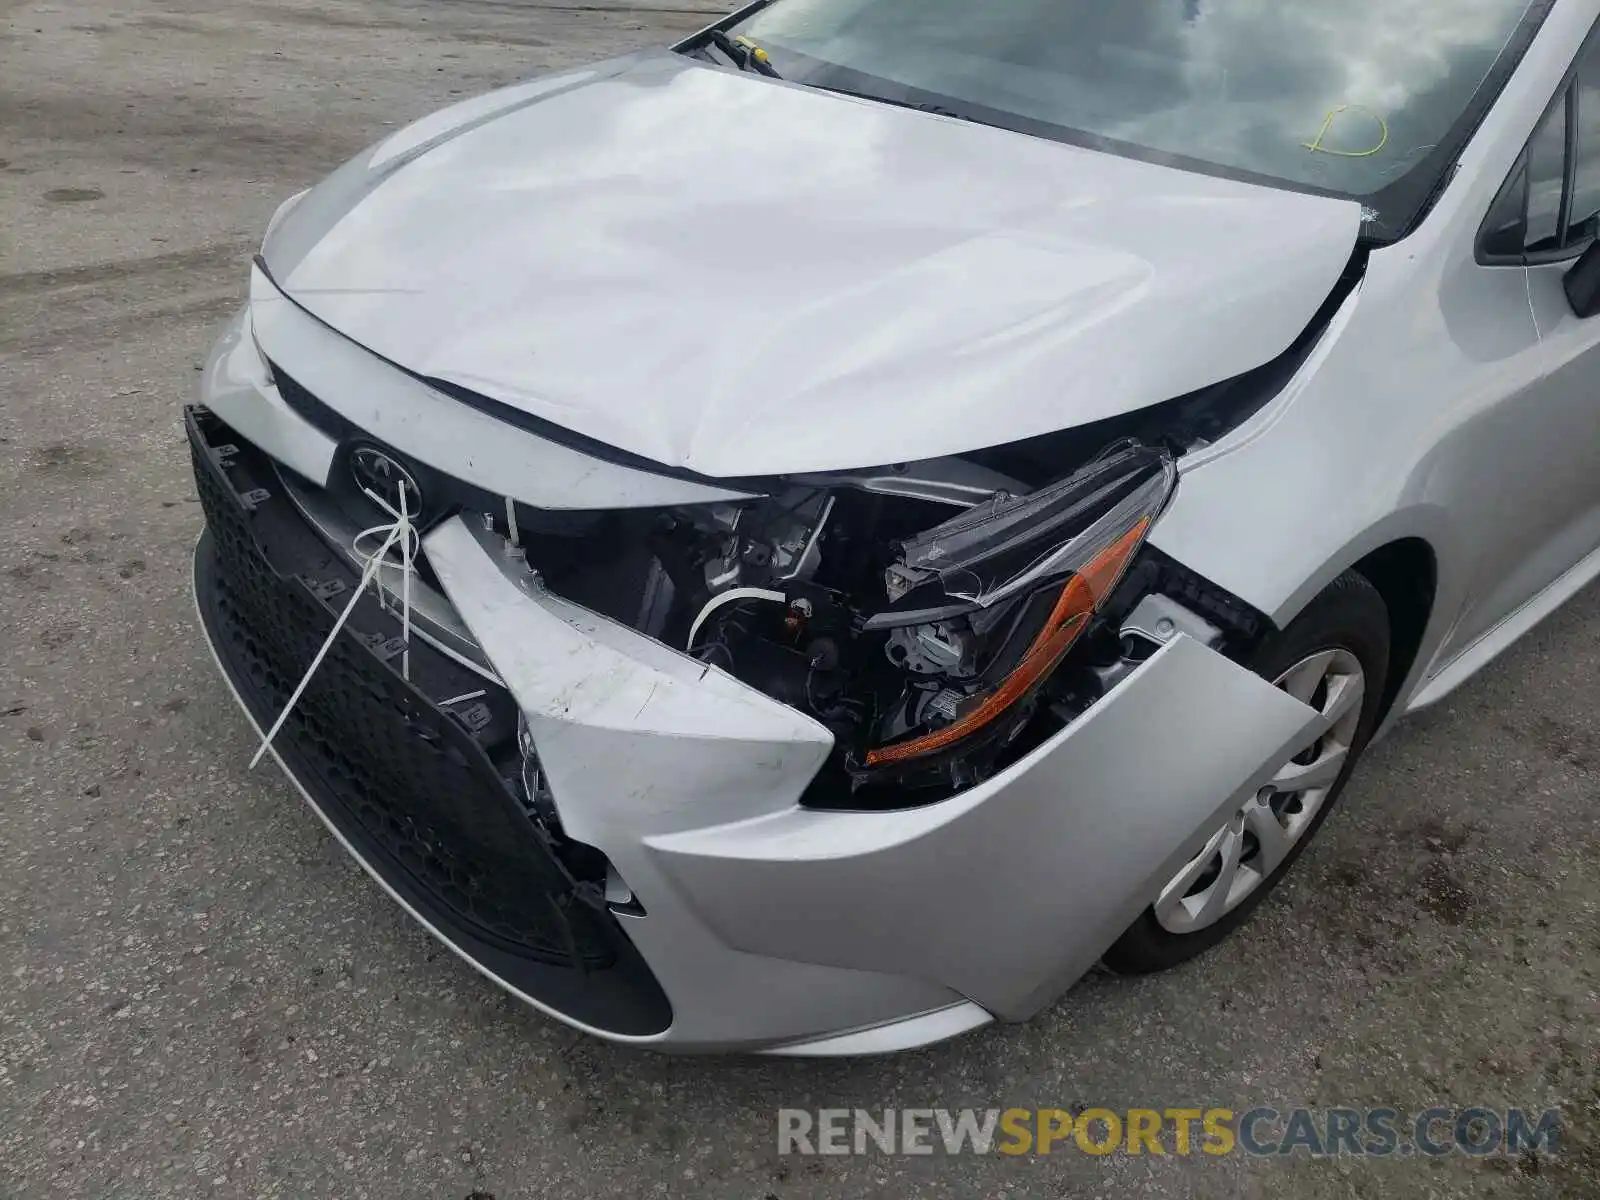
column 1008, row 892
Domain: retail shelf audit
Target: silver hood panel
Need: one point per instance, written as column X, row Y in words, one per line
column 737, row 276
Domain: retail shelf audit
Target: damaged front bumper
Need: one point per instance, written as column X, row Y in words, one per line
column 687, row 899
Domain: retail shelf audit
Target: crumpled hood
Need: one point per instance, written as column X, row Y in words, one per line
column 738, row 276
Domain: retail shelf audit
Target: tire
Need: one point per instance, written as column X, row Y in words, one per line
column 1349, row 615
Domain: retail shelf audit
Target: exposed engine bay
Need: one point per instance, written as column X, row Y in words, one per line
column 920, row 613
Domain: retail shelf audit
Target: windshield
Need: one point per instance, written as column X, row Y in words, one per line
column 1368, row 99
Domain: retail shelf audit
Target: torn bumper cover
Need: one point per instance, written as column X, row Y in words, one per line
column 690, row 901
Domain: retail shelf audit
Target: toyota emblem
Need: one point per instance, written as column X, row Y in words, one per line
column 380, row 474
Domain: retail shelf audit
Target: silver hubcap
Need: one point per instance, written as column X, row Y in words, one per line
column 1243, row 854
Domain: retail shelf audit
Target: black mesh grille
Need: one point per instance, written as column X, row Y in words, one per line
column 415, row 779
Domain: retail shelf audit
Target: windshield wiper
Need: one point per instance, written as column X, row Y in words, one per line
column 744, row 53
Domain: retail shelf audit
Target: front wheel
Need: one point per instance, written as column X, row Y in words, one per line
column 1334, row 657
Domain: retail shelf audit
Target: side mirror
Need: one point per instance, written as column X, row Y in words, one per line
column 1582, row 282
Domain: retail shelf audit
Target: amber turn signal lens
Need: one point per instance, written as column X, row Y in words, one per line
column 1079, row 598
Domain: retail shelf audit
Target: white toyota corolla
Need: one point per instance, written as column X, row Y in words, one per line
column 808, row 540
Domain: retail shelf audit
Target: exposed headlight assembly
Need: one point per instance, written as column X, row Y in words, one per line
column 985, row 577
column 938, row 619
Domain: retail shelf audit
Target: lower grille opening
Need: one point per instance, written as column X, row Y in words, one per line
column 412, row 787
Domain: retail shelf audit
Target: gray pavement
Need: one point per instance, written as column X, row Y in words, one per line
column 202, row 996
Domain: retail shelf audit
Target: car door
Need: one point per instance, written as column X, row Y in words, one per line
column 1547, row 475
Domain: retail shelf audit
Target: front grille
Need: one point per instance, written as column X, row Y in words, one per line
column 414, row 782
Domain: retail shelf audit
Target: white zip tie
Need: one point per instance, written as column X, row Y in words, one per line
column 404, row 524
column 402, row 531
column 402, row 521
column 729, row 597
column 511, row 522
column 366, row 578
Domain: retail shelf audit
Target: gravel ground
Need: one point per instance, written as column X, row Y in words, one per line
column 202, row 995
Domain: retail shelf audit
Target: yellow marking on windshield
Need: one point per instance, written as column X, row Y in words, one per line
column 1315, row 144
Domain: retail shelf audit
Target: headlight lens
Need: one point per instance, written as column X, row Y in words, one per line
column 1076, row 537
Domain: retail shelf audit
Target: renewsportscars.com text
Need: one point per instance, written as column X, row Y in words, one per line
column 1259, row 1132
